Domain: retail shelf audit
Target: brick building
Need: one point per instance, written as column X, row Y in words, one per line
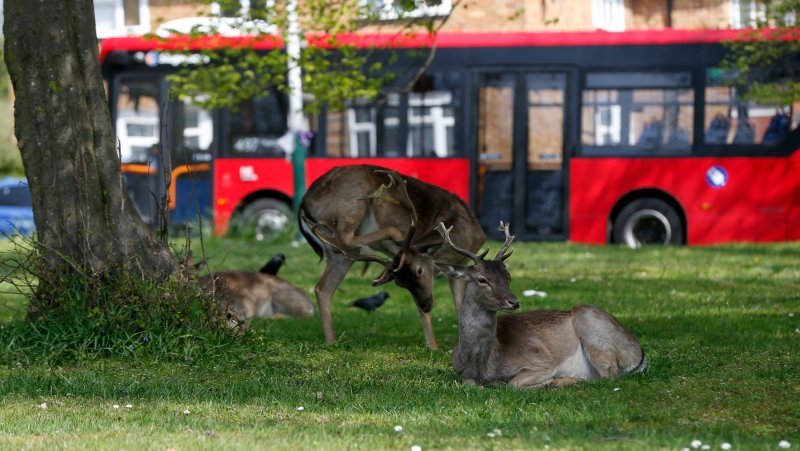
column 121, row 17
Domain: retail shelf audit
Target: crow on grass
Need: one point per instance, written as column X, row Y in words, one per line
column 273, row 265
column 371, row 303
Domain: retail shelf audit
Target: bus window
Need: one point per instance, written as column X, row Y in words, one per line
column 391, row 126
column 256, row 126
column 352, row 132
column 138, row 124
column 545, row 120
column 375, row 128
column 432, row 110
column 731, row 120
column 496, row 131
column 193, row 133
column 650, row 112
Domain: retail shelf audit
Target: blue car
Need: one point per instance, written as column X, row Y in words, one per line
column 16, row 213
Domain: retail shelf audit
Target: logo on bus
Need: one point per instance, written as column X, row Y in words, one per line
column 717, row 176
column 151, row 59
column 154, row 58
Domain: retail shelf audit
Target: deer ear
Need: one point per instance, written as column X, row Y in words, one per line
column 452, row 271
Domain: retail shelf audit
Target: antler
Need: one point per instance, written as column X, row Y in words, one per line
column 334, row 241
column 445, row 232
column 502, row 255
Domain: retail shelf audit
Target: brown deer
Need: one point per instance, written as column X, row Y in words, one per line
column 248, row 295
column 532, row 349
column 351, row 212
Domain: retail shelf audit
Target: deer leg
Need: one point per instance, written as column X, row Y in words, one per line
column 351, row 240
column 610, row 348
column 336, row 266
column 457, row 288
column 427, row 329
column 532, row 378
column 563, row 381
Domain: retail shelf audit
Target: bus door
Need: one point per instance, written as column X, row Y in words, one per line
column 137, row 117
column 191, row 137
column 165, row 148
column 520, row 145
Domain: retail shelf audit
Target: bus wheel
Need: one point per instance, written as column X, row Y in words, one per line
column 647, row 221
column 266, row 218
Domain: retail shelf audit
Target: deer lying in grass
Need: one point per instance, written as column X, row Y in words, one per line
column 248, row 295
column 352, row 212
column 532, row 349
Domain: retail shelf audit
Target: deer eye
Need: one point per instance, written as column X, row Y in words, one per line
column 482, row 280
column 419, row 271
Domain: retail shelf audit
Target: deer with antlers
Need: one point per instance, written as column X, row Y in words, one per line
column 532, row 349
column 352, row 212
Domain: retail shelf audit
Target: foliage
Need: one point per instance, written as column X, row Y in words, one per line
column 763, row 60
column 330, row 76
column 718, row 324
column 10, row 158
column 100, row 315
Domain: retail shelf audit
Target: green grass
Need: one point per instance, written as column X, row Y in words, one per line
column 719, row 326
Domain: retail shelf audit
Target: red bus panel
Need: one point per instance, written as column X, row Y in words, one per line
column 757, row 199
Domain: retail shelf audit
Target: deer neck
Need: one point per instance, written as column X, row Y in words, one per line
column 477, row 340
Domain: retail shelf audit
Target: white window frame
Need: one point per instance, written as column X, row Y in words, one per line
column 612, row 129
column 433, row 105
column 608, row 15
column 387, row 11
column 354, row 127
column 739, row 20
column 204, row 131
column 755, row 12
column 127, row 142
column 119, row 28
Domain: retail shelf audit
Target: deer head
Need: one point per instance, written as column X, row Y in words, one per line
column 488, row 281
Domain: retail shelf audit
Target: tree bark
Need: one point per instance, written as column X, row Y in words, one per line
column 85, row 222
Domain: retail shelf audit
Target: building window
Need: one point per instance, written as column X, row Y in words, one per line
column 121, row 17
column 749, row 13
column 744, row 13
column 608, row 15
column 238, row 8
column 392, row 9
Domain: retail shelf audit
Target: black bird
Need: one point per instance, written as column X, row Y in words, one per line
column 273, row 265
column 371, row 303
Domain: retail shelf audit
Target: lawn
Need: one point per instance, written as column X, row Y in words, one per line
column 720, row 326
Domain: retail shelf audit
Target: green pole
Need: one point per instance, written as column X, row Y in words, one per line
column 298, row 160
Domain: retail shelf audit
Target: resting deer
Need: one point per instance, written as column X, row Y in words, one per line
column 352, row 211
column 532, row 349
column 248, row 295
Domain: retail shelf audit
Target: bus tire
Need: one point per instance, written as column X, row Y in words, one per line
column 647, row 221
column 266, row 217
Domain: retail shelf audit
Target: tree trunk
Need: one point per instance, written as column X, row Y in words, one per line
column 85, row 222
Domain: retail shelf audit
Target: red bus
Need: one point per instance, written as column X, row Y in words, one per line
column 594, row 137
